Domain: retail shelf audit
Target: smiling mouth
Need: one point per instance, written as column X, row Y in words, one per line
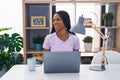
column 56, row 26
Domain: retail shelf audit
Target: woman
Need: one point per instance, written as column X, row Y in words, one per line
column 61, row 39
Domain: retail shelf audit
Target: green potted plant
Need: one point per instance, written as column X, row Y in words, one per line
column 38, row 41
column 108, row 18
column 10, row 45
column 88, row 43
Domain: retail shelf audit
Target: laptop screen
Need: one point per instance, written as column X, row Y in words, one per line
column 61, row 62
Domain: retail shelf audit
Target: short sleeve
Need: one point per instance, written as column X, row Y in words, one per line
column 46, row 44
column 76, row 43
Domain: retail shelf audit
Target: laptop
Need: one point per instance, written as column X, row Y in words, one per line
column 62, row 62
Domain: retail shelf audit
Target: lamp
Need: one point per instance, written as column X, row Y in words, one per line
column 104, row 46
column 79, row 28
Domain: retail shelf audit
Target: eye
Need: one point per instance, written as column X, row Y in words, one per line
column 57, row 19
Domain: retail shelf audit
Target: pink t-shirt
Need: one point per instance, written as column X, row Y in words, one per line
column 53, row 43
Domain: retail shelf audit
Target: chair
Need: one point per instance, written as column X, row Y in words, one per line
column 112, row 57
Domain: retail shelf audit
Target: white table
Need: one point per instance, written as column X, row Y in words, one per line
column 20, row 72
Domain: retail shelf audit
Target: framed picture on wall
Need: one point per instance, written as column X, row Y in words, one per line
column 38, row 21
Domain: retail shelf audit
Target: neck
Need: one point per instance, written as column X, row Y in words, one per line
column 63, row 35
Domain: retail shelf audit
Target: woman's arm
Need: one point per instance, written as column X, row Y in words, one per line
column 46, row 49
column 75, row 49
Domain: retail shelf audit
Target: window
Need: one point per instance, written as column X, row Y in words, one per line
column 88, row 10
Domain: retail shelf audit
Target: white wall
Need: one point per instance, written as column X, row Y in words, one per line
column 11, row 15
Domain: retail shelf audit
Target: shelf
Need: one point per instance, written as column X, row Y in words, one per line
column 33, row 52
column 87, row 54
column 37, row 1
column 44, row 8
column 110, row 1
column 35, row 8
column 78, row 1
column 63, row 1
column 83, row 54
column 37, row 28
column 113, row 27
column 102, row 27
column 71, row 1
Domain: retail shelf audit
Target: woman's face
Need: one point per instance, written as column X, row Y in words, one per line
column 58, row 23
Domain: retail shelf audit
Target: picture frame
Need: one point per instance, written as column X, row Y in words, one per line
column 38, row 21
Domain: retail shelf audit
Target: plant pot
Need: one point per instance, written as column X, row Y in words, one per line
column 108, row 23
column 38, row 47
column 88, row 47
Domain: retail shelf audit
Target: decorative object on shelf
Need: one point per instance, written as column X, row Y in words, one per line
column 39, row 58
column 38, row 21
column 88, row 43
column 110, row 43
column 79, row 28
column 88, row 22
column 38, row 41
column 108, row 18
column 90, row 18
column 86, row 60
column 9, row 48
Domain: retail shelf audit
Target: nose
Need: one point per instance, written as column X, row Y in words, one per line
column 55, row 22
